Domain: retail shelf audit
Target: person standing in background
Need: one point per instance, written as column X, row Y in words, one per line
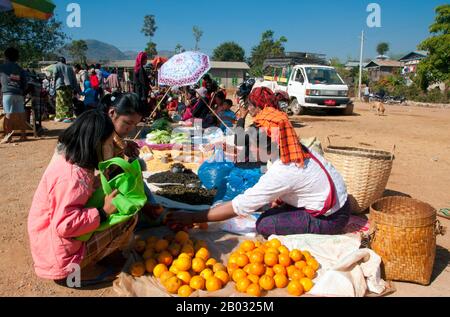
column 141, row 80
column 112, row 82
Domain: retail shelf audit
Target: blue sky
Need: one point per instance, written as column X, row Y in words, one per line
column 325, row 26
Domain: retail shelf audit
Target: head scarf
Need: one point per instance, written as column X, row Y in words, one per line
column 277, row 126
column 263, row 97
column 139, row 61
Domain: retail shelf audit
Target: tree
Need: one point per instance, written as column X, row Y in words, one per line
column 149, row 30
column 267, row 47
column 151, row 50
column 229, row 52
column 382, row 48
column 179, row 49
column 435, row 67
column 197, row 35
column 33, row 38
column 77, row 50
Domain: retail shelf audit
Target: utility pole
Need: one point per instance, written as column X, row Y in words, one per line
column 360, row 64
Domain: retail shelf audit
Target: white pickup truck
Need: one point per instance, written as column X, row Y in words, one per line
column 309, row 86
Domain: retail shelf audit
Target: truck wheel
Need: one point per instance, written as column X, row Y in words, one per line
column 296, row 108
column 349, row 110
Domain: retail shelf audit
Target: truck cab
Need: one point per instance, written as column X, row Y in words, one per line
column 309, row 85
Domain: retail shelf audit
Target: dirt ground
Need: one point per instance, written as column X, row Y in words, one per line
column 421, row 169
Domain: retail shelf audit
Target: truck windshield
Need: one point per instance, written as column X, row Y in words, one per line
column 326, row 76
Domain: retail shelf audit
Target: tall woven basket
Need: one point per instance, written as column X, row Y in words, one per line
column 404, row 235
column 365, row 172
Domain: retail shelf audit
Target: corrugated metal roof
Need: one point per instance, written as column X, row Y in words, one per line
column 229, row 65
column 407, row 57
column 384, row 62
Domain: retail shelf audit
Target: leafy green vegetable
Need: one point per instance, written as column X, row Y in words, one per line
column 161, row 124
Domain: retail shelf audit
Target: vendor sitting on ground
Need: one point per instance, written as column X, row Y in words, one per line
column 58, row 214
column 306, row 193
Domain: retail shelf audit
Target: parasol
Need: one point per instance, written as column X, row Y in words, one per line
column 33, row 9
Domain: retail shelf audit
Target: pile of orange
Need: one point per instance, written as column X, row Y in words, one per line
column 183, row 265
column 258, row 267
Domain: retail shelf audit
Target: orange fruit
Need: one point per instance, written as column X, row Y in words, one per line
column 213, row 284
column 197, row 282
column 165, row 258
column 198, row 265
column 272, row 250
column 137, row 269
column 270, row 272
column 185, row 291
column 184, row 255
column 247, row 245
column 295, row 288
column 150, row 265
column 203, row 253
column 172, row 284
column 161, row 245
column 151, row 240
column 223, row 276
column 243, row 284
column 174, row 269
column 233, row 258
column 254, row 290
column 274, row 243
column 211, row 262
column 247, row 268
column 313, row 264
column 297, row 275
column 270, row 259
column 231, row 268
column 165, row 276
column 279, row 269
column 257, row 269
column 281, row 281
column 219, row 267
column 190, row 242
column 206, row 273
column 188, row 249
column 140, row 246
column 253, row 278
column 309, row 272
column 148, row 254
column 242, row 260
column 290, row 269
column 159, row 269
column 174, row 249
column 296, row 255
column 257, row 257
column 181, row 237
column 238, row 275
column 200, row 244
column 267, row 282
column 283, row 249
column 183, row 263
column 300, row 264
column 169, row 238
column 184, row 276
column 258, row 244
column 306, row 255
column 284, row 260
column 307, row 284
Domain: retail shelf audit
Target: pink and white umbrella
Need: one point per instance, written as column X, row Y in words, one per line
column 184, row 69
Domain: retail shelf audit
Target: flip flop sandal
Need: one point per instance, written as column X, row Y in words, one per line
column 444, row 213
column 106, row 277
column 7, row 138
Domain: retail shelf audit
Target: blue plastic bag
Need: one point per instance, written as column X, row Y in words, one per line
column 212, row 173
column 237, row 182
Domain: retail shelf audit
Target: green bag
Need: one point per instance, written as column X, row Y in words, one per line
column 130, row 199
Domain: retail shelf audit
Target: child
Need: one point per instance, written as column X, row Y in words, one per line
column 228, row 116
column 58, row 214
column 90, row 95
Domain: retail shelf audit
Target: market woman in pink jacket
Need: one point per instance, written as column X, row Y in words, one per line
column 58, row 214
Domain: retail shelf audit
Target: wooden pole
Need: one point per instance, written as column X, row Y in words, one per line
column 214, row 113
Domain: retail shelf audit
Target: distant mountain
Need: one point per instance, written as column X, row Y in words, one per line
column 166, row 53
column 99, row 51
column 130, row 54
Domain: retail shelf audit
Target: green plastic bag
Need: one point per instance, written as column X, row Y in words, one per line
column 130, row 198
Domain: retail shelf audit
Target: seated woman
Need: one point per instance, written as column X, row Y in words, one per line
column 58, row 214
column 306, row 193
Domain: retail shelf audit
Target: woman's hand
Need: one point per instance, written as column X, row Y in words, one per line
column 131, row 149
column 108, row 206
column 180, row 218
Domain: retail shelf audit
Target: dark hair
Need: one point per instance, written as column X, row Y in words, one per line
column 82, row 142
column 207, row 77
column 98, row 66
column 62, row 59
column 228, row 102
column 220, row 95
column 77, row 67
column 12, row 54
column 123, row 104
column 92, row 66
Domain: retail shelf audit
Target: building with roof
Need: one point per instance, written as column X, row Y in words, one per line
column 411, row 60
column 379, row 68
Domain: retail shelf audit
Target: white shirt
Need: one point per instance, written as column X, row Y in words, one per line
column 306, row 187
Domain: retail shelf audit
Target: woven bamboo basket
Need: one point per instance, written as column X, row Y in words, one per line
column 404, row 235
column 365, row 172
